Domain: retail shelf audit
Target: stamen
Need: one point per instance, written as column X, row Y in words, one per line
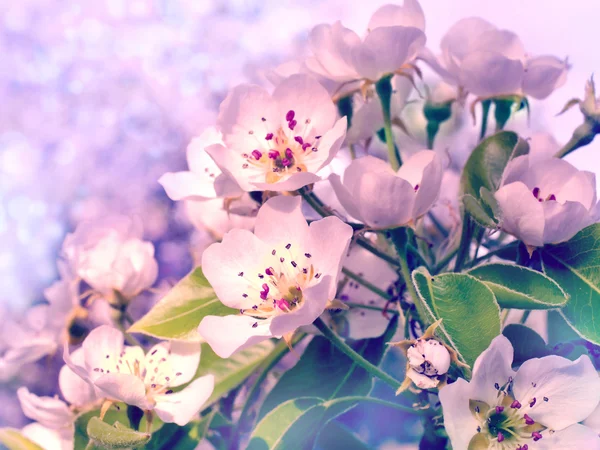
column 299, row 139
column 536, row 192
column 273, row 154
column 528, row 420
column 500, row 436
column 551, row 198
column 292, row 124
column 532, row 402
column 290, row 115
column 536, row 435
column 516, row 404
column 257, row 154
column 269, row 136
column 288, row 153
column 269, row 271
column 255, row 324
column 499, row 409
column 288, row 246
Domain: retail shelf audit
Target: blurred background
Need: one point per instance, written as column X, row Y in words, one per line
column 99, row 98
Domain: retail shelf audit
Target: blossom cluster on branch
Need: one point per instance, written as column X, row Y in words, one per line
column 335, row 255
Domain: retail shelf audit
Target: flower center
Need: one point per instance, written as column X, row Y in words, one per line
column 283, row 150
column 278, row 288
column 506, row 425
column 537, row 194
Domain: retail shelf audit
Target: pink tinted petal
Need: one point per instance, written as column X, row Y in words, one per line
column 549, row 175
column 543, row 75
column 292, row 182
column 332, row 46
column 280, row 221
column 410, row 14
column 462, row 37
column 49, row 411
column 581, row 187
column 123, row 387
column 460, row 424
column 571, row 387
column 181, row 407
column 226, row 335
column 522, row 214
column 184, row 358
column 423, row 169
column 503, row 42
column 232, row 165
column 563, row 221
column 575, row 437
column 75, row 389
column 492, row 368
column 102, row 341
column 344, row 196
column 487, row 74
column 329, row 145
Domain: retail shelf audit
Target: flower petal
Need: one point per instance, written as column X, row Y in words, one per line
column 184, row 358
column 123, row 387
column 102, row 341
column 332, row 46
column 344, row 196
column 543, row 75
column 410, row 14
column 75, row 389
column 49, row 411
column 181, row 407
column 460, row 424
column 226, row 335
column 492, row 368
column 522, row 214
column 563, row 221
column 489, row 74
column 571, row 387
column 575, row 437
column 423, row 169
column 280, row 220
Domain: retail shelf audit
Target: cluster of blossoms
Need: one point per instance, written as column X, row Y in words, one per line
column 302, row 214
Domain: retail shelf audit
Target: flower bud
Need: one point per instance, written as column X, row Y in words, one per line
column 428, row 360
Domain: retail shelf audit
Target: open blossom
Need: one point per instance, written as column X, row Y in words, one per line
column 537, row 407
column 110, row 256
column 394, row 38
column 279, row 278
column 545, row 200
column 204, row 180
column 124, row 373
column 489, row 62
column 278, row 142
column 379, row 197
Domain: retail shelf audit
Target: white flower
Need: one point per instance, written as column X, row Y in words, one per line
column 49, row 411
column 218, row 216
column 111, row 257
column 48, row 438
column 428, row 359
column 537, row 407
column 279, row 278
column 278, row 142
column 395, row 36
column 489, row 62
column 356, row 322
column 545, row 200
column 379, row 197
column 204, row 180
column 124, row 373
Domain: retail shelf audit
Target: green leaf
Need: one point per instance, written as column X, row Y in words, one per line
column 470, row 313
column 13, row 440
column 178, row 314
column 114, row 436
column 343, row 376
column 520, row 287
column 233, row 371
column 574, row 265
column 526, row 343
column 117, row 413
column 336, row 435
column 484, row 170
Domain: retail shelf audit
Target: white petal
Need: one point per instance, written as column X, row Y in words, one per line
column 563, row 221
column 492, row 367
column 181, row 407
column 424, row 169
column 101, row 341
column 522, row 214
column 332, row 46
column 503, row 42
column 461, row 39
column 292, row 182
column 572, row 389
column 75, row 389
column 575, row 437
column 226, row 335
column 47, row 438
column 328, row 241
column 593, row 420
column 460, row 424
column 549, row 175
column 304, row 95
column 422, row 381
column 344, row 196
column 387, row 49
column 231, row 163
column 240, row 252
column 49, row 411
column 123, row 387
column 184, row 359
column 544, row 74
column 329, row 145
column 410, row 14
column 280, row 221
column 581, row 188
column 488, row 74
column 315, row 300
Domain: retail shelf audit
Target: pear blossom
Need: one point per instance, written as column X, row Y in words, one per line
column 379, row 197
column 545, row 200
column 278, row 142
column 111, row 256
column 279, row 278
column 124, row 373
column 537, row 407
column 204, row 180
column 489, row 62
column 394, row 38
column 356, row 322
column 49, row 438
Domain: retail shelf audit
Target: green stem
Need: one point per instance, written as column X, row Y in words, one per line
column 378, row 401
column 352, row 151
column 525, row 316
column 485, row 108
column 132, row 340
column 442, row 263
column 465, row 242
column 372, row 308
column 400, row 240
column 384, row 91
column 366, row 284
column 355, row 357
column 437, row 224
column 314, row 202
column 493, row 253
column 364, row 243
